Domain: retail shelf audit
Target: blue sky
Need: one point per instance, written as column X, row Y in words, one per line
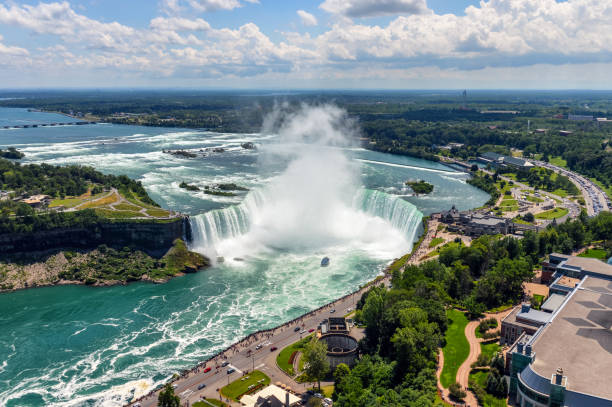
column 392, row 44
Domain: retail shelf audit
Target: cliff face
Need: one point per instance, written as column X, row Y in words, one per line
column 151, row 237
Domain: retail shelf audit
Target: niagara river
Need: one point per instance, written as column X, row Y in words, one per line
column 310, row 191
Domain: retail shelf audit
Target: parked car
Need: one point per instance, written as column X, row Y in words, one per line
column 332, row 311
column 258, row 346
column 231, row 370
column 273, row 348
column 201, row 386
column 207, row 370
column 224, row 364
column 296, row 329
column 303, row 332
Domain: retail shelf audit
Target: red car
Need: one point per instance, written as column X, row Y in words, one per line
column 273, row 348
column 207, row 370
column 311, row 330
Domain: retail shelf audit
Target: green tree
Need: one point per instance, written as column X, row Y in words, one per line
column 456, row 391
column 167, row 398
column 340, row 374
column 315, row 358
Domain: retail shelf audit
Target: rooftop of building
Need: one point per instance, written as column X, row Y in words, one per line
column 517, row 161
column 590, row 264
column 533, row 315
column 529, row 320
column 566, row 281
column 492, row 156
column 585, row 263
column 270, row 393
column 553, row 303
column 579, row 340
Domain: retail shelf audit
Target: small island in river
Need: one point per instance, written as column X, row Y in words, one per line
column 217, row 189
column 420, row 187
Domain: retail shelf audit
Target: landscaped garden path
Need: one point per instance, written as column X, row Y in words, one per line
column 456, row 350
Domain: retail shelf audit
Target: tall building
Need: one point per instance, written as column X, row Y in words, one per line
column 567, row 359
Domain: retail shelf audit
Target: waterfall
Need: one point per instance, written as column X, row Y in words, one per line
column 210, row 228
column 402, row 215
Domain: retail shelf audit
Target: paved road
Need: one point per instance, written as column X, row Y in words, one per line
column 596, row 200
column 263, row 359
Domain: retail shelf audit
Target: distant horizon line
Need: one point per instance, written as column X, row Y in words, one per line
column 323, row 90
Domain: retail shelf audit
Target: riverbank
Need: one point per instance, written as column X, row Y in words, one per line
column 245, row 355
column 103, row 266
column 245, row 351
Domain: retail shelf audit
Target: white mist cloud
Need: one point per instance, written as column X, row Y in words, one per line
column 310, row 205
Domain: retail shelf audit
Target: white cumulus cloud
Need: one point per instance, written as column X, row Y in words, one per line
column 307, row 19
column 179, row 24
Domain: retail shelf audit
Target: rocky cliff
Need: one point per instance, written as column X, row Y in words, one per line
column 152, row 237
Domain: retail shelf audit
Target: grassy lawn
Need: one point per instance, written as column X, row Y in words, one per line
column 508, row 204
column 521, row 221
column 595, row 254
column 479, row 377
column 435, row 241
column 457, row 347
column 506, row 187
column 534, row 199
column 283, row 356
column 558, row 161
column 108, row 213
column 68, row 202
column 71, row 202
column 158, row 213
column 126, row 207
column 214, row 402
column 239, row 387
column 552, row 214
column 560, row 192
column 107, row 200
column 489, row 349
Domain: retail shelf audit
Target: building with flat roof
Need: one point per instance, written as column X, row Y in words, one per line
column 37, row 201
column 578, row 267
column 271, row 396
column 498, row 160
column 568, row 360
column 552, row 303
column 523, row 319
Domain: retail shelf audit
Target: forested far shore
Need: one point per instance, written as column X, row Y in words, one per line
column 402, row 122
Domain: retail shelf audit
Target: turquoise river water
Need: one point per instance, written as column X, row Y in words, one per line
column 84, row 346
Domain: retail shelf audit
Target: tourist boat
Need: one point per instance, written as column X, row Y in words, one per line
column 325, row 262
